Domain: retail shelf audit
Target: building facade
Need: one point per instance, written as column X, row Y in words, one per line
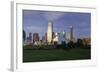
column 36, row 39
column 50, row 32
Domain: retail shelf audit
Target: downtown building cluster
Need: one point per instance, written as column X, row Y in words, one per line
column 50, row 37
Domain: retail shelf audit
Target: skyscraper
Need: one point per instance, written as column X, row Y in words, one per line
column 67, row 37
column 44, row 39
column 36, row 38
column 30, row 37
column 61, row 37
column 50, row 32
column 71, row 33
column 55, row 37
column 24, row 35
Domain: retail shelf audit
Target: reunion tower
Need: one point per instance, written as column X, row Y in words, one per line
column 49, row 32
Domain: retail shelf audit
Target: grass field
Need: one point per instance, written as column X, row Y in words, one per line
column 31, row 55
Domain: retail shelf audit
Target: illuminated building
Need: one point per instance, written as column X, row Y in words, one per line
column 49, row 33
column 55, row 37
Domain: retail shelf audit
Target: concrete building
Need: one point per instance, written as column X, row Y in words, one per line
column 67, row 36
column 36, row 39
column 71, row 33
column 30, row 37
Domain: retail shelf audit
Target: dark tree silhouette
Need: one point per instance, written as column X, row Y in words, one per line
column 79, row 43
column 24, row 35
column 63, row 45
column 70, row 44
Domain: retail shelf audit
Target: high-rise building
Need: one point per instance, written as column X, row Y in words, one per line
column 24, row 35
column 50, row 32
column 30, row 37
column 71, row 33
column 61, row 37
column 67, row 36
column 44, row 39
column 55, row 37
column 36, row 38
column 24, row 38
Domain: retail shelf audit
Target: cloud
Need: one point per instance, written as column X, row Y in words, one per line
column 34, row 29
column 29, row 12
column 52, row 16
column 48, row 15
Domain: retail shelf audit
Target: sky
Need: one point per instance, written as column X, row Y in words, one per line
column 37, row 22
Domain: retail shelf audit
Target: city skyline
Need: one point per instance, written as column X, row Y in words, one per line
column 37, row 22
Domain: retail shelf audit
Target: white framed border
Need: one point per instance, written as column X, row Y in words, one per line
column 16, row 51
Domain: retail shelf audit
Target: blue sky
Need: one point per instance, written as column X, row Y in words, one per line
column 37, row 22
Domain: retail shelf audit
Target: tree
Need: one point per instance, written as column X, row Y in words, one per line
column 63, row 45
column 71, row 44
column 79, row 43
column 55, row 43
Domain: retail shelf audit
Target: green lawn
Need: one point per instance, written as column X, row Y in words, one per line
column 31, row 55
